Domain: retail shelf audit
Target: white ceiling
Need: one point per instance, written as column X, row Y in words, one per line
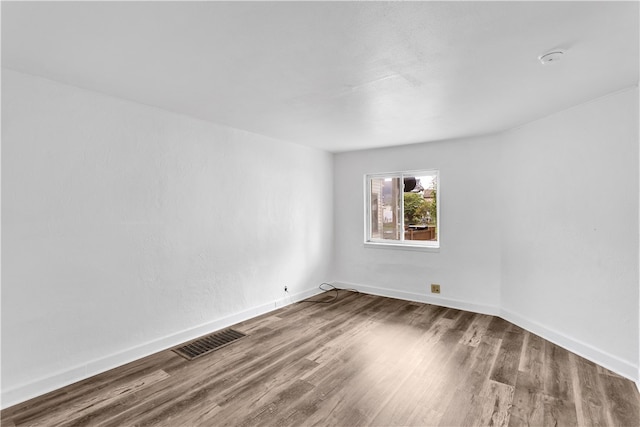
column 334, row 75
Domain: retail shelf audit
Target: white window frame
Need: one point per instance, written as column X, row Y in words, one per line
column 421, row 245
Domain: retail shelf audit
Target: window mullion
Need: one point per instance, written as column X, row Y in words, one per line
column 401, row 213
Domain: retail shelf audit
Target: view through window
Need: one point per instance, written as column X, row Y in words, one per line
column 403, row 208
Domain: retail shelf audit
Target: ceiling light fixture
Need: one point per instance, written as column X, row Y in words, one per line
column 553, row 56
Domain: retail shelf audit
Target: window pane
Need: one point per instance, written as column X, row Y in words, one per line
column 385, row 208
column 421, row 208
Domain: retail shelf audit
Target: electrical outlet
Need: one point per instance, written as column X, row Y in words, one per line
column 435, row 289
column 286, row 289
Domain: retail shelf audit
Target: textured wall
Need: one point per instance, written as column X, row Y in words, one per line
column 570, row 228
column 125, row 225
column 467, row 265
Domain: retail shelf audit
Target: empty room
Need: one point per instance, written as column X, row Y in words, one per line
column 320, row 213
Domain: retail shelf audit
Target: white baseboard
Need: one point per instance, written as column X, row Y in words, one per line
column 602, row 358
column 589, row 352
column 410, row 296
column 72, row 375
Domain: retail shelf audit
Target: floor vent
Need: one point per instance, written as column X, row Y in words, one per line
column 207, row 344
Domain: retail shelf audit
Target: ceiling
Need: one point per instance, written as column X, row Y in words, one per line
column 334, row 75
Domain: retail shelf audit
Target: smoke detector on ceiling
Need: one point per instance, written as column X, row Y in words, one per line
column 553, row 56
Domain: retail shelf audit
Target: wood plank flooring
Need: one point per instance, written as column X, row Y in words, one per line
column 362, row 360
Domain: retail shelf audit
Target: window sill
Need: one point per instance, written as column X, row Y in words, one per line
column 402, row 246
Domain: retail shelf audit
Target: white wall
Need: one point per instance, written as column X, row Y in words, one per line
column 538, row 225
column 467, row 265
column 570, row 228
column 128, row 229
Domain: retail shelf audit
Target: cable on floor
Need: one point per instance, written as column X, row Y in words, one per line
column 328, row 287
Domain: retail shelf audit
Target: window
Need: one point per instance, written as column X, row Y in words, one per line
column 402, row 209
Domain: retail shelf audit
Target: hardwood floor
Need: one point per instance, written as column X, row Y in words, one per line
column 361, row 360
